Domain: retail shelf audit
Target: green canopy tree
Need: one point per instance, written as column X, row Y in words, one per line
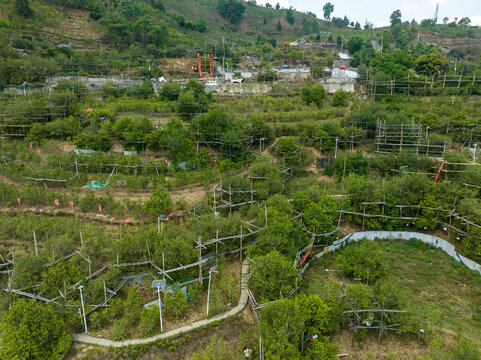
column 290, row 16
column 430, row 64
column 363, row 260
column 32, row 330
column 328, row 8
column 23, row 8
column 160, row 202
column 395, row 17
column 273, row 276
column 318, row 208
column 285, row 324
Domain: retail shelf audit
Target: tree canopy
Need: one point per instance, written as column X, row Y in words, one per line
column 32, row 330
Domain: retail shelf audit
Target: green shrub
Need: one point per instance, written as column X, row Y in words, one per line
column 160, row 202
column 176, row 303
column 149, row 320
column 365, row 261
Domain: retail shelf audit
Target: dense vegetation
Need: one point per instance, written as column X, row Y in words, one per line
column 142, row 180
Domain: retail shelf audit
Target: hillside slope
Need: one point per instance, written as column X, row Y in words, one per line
column 56, row 23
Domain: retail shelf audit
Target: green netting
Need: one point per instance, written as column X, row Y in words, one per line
column 96, row 185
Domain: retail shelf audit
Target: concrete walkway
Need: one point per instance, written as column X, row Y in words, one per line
column 87, row 339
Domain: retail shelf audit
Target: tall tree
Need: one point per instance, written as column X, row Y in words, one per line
column 395, row 17
column 328, row 8
column 290, row 16
column 403, row 40
column 465, row 21
column 279, row 26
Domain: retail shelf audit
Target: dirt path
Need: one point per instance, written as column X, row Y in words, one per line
column 268, row 149
column 53, row 211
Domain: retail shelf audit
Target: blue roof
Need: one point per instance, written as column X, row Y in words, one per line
column 285, row 66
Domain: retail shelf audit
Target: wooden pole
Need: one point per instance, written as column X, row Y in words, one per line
column 265, row 209
column 402, row 134
column 76, row 166
column 230, row 199
column 363, row 218
column 252, row 193
column 148, row 249
column 409, row 86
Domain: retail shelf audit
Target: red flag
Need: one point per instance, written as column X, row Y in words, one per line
column 198, row 192
column 100, row 208
column 56, row 202
column 127, row 221
column 166, row 162
column 171, row 214
column 18, row 200
column 38, row 150
column 70, row 203
column 30, row 145
column 42, row 210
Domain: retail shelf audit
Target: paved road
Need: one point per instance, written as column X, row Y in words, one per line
column 87, row 339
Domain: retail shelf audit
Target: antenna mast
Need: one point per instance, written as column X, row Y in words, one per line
column 436, row 13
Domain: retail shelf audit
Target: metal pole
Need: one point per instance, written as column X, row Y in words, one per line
column 160, row 310
column 427, row 131
column 35, row 237
column 83, row 308
column 208, row 292
column 335, row 151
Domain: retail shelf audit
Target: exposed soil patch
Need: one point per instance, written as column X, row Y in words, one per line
column 371, row 348
column 76, row 24
column 65, row 147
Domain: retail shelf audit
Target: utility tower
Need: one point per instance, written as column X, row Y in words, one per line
column 436, row 13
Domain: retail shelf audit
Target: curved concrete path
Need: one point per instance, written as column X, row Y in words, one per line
column 87, row 339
